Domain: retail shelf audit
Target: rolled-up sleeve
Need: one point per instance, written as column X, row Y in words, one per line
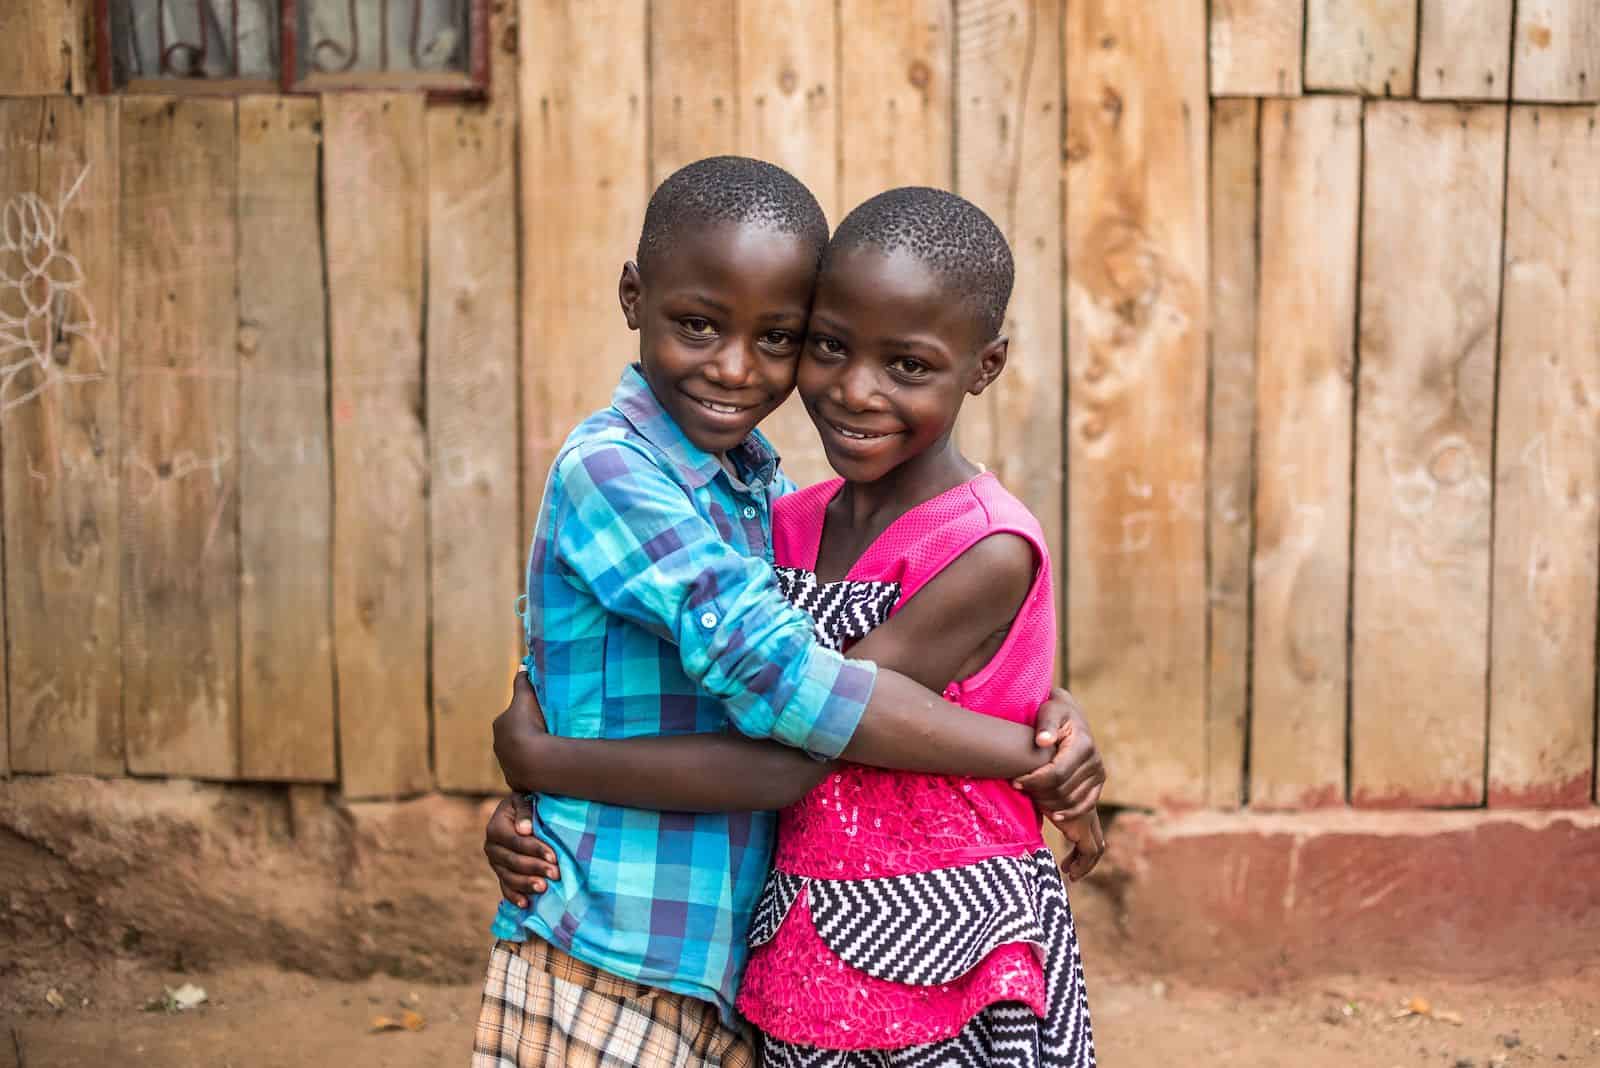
column 633, row 537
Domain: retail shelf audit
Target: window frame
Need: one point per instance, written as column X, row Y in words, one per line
column 472, row 85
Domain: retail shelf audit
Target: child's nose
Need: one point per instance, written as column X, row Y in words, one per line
column 857, row 389
column 733, row 365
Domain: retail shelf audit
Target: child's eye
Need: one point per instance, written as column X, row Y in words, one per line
column 696, row 326
column 827, row 347
column 778, row 339
column 910, row 367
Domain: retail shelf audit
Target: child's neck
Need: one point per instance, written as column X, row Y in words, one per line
column 861, row 511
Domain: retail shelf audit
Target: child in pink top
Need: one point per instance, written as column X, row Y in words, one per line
column 916, row 919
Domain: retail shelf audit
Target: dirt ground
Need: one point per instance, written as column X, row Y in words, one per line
column 259, row 1017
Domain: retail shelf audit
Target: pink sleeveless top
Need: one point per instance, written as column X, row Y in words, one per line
column 864, row 839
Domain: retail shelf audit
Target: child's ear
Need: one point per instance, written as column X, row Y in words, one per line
column 630, row 289
column 991, row 361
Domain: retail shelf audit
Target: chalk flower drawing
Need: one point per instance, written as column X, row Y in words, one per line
column 43, row 307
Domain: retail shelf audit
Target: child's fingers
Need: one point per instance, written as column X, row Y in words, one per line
column 502, row 859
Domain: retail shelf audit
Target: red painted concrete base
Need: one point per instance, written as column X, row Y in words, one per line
column 1247, row 899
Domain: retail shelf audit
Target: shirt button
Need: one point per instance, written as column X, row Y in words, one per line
column 749, row 511
column 708, row 619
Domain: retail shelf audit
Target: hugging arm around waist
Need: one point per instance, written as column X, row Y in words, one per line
column 904, row 724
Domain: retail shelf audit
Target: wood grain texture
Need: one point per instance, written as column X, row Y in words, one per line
column 472, row 361
column 1230, row 456
column 1465, row 50
column 375, row 197
column 1557, row 51
column 42, row 46
column 59, row 435
column 1430, row 284
column 180, row 608
column 1256, row 47
column 1009, row 67
column 1547, row 454
column 694, row 93
column 1361, row 46
column 1137, row 120
column 286, row 702
column 584, row 187
column 1310, row 211
column 789, row 114
column 896, row 69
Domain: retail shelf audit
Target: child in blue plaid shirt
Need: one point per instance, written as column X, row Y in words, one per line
column 654, row 612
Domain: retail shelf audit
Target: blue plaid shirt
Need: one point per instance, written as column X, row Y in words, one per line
column 653, row 609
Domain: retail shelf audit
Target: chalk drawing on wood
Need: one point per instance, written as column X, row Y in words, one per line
column 43, row 305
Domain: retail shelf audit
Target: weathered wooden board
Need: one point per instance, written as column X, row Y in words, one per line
column 1306, row 349
column 1430, row 283
column 286, row 703
column 1008, row 162
column 374, row 191
column 180, row 574
column 1362, row 46
column 42, row 45
column 896, row 69
column 694, row 92
column 1557, row 51
column 789, row 114
column 1547, row 491
column 59, row 434
column 1256, row 46
column 472, row 434
column 1230, row 459
column 1137, row 121
column 584, row 174
column 1465, row 50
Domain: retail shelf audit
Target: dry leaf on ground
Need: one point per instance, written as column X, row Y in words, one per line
column 406, row 1021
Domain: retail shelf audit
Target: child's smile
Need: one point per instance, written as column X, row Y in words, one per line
column 721, row 319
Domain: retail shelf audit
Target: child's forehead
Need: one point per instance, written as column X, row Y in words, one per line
column 726, row 249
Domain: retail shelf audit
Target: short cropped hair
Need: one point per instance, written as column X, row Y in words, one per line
column 729, row 189
column 950, row 234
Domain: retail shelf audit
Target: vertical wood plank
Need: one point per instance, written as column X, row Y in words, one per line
column 789, row 114
column 1547, row 497
column 375, row 188
column 584, row 172
column 1361, row 46
column 895, row 69
column 694, row 92
column 1137, row 122
column 1557, row 50
column 472, row 429
column 1229, row 461
column 41, row 47
column 1430, row 284
column 1310, row 211
column 286, row 710
column 59, row 434
column 1256, row 47
column 1465, row 50
column 1009, row 68
column 180, row 437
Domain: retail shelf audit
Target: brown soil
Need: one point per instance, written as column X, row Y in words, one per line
column 260, row 1017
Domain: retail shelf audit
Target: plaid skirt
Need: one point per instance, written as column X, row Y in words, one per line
column 544, row 1008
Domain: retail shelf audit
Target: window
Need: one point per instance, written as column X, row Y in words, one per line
column 232, row 46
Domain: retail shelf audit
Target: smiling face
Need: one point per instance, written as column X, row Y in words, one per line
column 890, row 356
column 721, row 321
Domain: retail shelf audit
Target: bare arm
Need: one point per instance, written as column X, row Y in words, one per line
column 681, row 773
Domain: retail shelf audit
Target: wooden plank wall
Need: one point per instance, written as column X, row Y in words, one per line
column 1318, row 458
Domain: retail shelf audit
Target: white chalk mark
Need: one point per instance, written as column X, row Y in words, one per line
column 43, row 306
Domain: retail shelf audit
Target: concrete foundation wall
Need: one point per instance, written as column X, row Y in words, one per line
column 205, row 873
